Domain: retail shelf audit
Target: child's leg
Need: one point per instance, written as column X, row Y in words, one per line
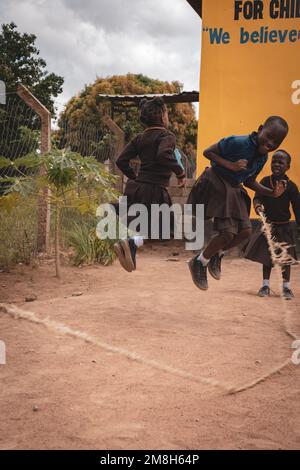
column 229, row 236
column 224, row 241
column 264, row 291
column 286, row 273
column 286, row 276
column 266, row 275
column 198, row 264
column 217, row 244
column 242, row 236
column 212, row 255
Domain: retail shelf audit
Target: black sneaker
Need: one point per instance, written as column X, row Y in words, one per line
column 264, row 291
column 126, row 253
column 214, row 266
column 199, row 273
column 133, row 250
column 287, row 293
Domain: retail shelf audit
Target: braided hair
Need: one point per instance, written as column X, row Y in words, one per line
column 151, row 111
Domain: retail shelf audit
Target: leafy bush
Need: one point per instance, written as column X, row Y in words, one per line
column 88, row 248
column 18, row 229
column 76, row 183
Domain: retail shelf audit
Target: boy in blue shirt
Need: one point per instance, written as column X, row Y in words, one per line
column 235, row 160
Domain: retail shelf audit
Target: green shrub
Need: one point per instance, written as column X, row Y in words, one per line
column 18, row 232
column 74, row 182
column 87, row 247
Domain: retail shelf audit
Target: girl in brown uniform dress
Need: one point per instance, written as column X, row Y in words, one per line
column 236, row 162
column 155, row 147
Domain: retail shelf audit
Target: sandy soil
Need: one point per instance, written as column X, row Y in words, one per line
column 60, row 393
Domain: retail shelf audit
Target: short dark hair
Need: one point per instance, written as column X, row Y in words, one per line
column 277, row 119
column 288, row 156
column 151, row 111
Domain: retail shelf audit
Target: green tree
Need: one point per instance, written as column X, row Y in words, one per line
column 20, row 63
column 81, row 126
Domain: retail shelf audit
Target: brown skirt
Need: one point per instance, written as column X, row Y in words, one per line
column 258, row 250
column 148, row 194
column 220, row 199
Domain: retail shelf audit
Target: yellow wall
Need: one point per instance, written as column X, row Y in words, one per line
column 243, row 84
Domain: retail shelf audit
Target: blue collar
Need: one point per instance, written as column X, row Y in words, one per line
column 254, row 138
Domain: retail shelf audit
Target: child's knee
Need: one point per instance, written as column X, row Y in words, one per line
column 245, row 234
column 227, row 237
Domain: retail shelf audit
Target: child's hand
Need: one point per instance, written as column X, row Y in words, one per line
column 279, row 189
column 259, row 208
column 181, row 182
column 238, row 166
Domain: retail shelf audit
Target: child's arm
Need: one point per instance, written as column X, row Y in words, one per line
column 166, row 156
column 279, row 189
column 258, row 201
column 212, row 153
column 128, row 153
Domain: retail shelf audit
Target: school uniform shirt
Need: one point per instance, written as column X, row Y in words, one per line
column 236, row 148
column 155, row 147
column 278, row 209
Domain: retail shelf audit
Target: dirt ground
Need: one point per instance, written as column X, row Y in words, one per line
column 59, row 392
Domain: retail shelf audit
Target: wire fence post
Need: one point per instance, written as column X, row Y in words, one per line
column 43, row 235
column 2, row 92
column 120, row 144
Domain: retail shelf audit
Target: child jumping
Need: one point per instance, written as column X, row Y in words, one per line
column 278, row 214
column 156, row 149
column 235, row 160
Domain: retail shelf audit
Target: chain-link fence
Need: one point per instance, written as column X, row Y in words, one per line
column 19, row 136
column 89, row 139
column 25, row 224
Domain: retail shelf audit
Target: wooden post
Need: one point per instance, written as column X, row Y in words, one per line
column 43, row 236
column 120, row 144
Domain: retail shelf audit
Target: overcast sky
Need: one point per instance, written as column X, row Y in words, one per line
column 83, row 39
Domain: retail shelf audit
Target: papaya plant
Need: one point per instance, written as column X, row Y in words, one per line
column 73, row 181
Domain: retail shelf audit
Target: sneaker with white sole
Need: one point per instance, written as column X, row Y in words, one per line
column 287, row 293
column 264, row 291
column 214, row 266
column 125, row 251
column 199, row 273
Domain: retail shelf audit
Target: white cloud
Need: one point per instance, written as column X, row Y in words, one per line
column 81, row 40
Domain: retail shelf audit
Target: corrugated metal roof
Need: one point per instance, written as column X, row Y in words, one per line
column 184, row 97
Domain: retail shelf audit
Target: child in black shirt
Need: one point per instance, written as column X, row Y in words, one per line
column 278, row 213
